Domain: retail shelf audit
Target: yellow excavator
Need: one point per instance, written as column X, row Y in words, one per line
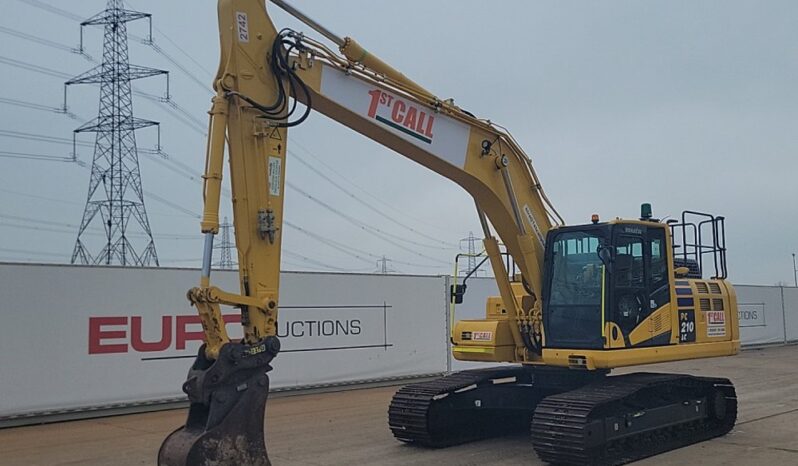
column 574, row 301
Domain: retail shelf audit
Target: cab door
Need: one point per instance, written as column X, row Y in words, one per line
column 574, row 288
column 655, row 325
column 641, row 286
column 630, row 290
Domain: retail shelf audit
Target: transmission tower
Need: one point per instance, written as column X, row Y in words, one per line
column 469, row 244
column 115, row 202
column 225, row 247
column 382, row 266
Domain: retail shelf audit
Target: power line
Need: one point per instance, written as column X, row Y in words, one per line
column 186, row 54
column 35, row 68
column 334, row 244
column 368, row 228
column 180, row 49
column 349, row 250
column 158, row 156
column 33, row 227
column 182, row 114
column 35, row 106
column 93, row 232
column 186, row 72
column 168, row 100
column 363, row 202
column 29, row 156
column 63, row 201
column 42, row 41
column 177, row 111
column 43, row 198
column 364, row 190
column 173, row 108
column 172, row 204
column 42, row 137
column 200, row 125
column 73, row 227
column 313, row 261
column 52, row 9
column 35, row 253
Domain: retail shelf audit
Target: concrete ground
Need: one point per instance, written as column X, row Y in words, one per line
column 350, row 428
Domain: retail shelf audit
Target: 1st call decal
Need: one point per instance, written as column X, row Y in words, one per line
column 686, row 326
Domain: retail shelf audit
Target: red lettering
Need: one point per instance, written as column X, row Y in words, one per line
column 182, row 335
column 97, row 334
column 420, row 125
column 410, row 118
column 139, row 344
column 375, row 100
column 397, row 114
column 232, row 318
column 388, row 99
column 428, row 130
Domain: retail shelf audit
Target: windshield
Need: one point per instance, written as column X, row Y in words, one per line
column 576, row 270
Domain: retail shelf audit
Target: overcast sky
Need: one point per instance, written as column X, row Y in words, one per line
column 683, row 104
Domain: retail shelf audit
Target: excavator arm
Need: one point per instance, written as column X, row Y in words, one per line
column 262, row 75
column 260, row 68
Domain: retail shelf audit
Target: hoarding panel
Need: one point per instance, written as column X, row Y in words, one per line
column 760, row 312
column 89, row 336
column 791, row 312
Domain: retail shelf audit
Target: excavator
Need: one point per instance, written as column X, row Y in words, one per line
column 574, row 301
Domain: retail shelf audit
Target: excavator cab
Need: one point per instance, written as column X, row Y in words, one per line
column 637, row 287
column 620, row 293
column 604, row 278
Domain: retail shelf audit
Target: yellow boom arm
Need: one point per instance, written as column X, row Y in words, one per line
column 259, row 68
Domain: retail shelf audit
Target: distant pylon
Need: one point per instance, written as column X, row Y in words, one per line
column 382, row 266
column 225, row 246
column 115, row 194
column 471, row 248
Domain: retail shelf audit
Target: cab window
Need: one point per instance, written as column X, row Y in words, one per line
column 629, row 264
column 659, row 292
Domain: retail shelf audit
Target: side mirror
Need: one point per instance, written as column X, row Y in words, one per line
column 457, row 292
column 681, row 272
column 605, row 254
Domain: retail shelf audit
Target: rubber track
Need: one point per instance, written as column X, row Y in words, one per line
column 409, row 411
column 559, row 426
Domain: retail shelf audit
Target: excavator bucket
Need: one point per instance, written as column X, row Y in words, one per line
column 225, row 424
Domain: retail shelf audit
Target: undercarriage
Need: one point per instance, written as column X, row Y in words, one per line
column 575, row 417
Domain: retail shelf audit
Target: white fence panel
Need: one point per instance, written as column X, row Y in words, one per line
column 85, row 337
column 77, row 337
column 791, row 312
column 761, row 314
